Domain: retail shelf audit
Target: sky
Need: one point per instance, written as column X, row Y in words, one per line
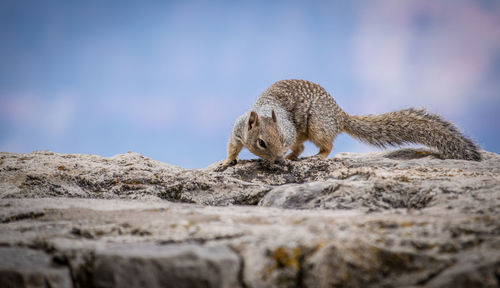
column 167, row 79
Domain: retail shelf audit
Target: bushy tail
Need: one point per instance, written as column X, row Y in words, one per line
column 413, row 126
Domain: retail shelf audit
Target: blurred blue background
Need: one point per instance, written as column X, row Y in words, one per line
column 167, row 79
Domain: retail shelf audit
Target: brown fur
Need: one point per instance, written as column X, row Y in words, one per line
column 290, row 112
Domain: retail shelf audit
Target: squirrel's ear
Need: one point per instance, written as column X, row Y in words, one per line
column 274, row 116
column 253, row 120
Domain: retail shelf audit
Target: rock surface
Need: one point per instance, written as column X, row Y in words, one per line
column 388, row 219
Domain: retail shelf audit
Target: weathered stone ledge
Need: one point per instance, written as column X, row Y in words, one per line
column 387, row 219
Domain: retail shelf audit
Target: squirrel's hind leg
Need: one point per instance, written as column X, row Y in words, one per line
column 324, row 149
column 323, row 127
column 323, row 141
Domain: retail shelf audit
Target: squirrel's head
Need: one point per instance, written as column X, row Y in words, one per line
column 264, row 137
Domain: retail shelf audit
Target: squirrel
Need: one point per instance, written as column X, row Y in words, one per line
column 290, row 112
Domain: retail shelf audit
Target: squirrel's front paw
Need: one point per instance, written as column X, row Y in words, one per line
column 223, row 166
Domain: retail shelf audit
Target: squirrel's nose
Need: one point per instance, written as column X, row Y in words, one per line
column 279, row 159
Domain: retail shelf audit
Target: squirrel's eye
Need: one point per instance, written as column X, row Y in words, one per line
column 262, row 143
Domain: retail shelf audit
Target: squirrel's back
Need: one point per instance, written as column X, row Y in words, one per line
column 303, row 100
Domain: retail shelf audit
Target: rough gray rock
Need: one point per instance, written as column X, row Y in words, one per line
column 150, row 265
column 397, row 219
column 21, row 267
column 124, row 176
